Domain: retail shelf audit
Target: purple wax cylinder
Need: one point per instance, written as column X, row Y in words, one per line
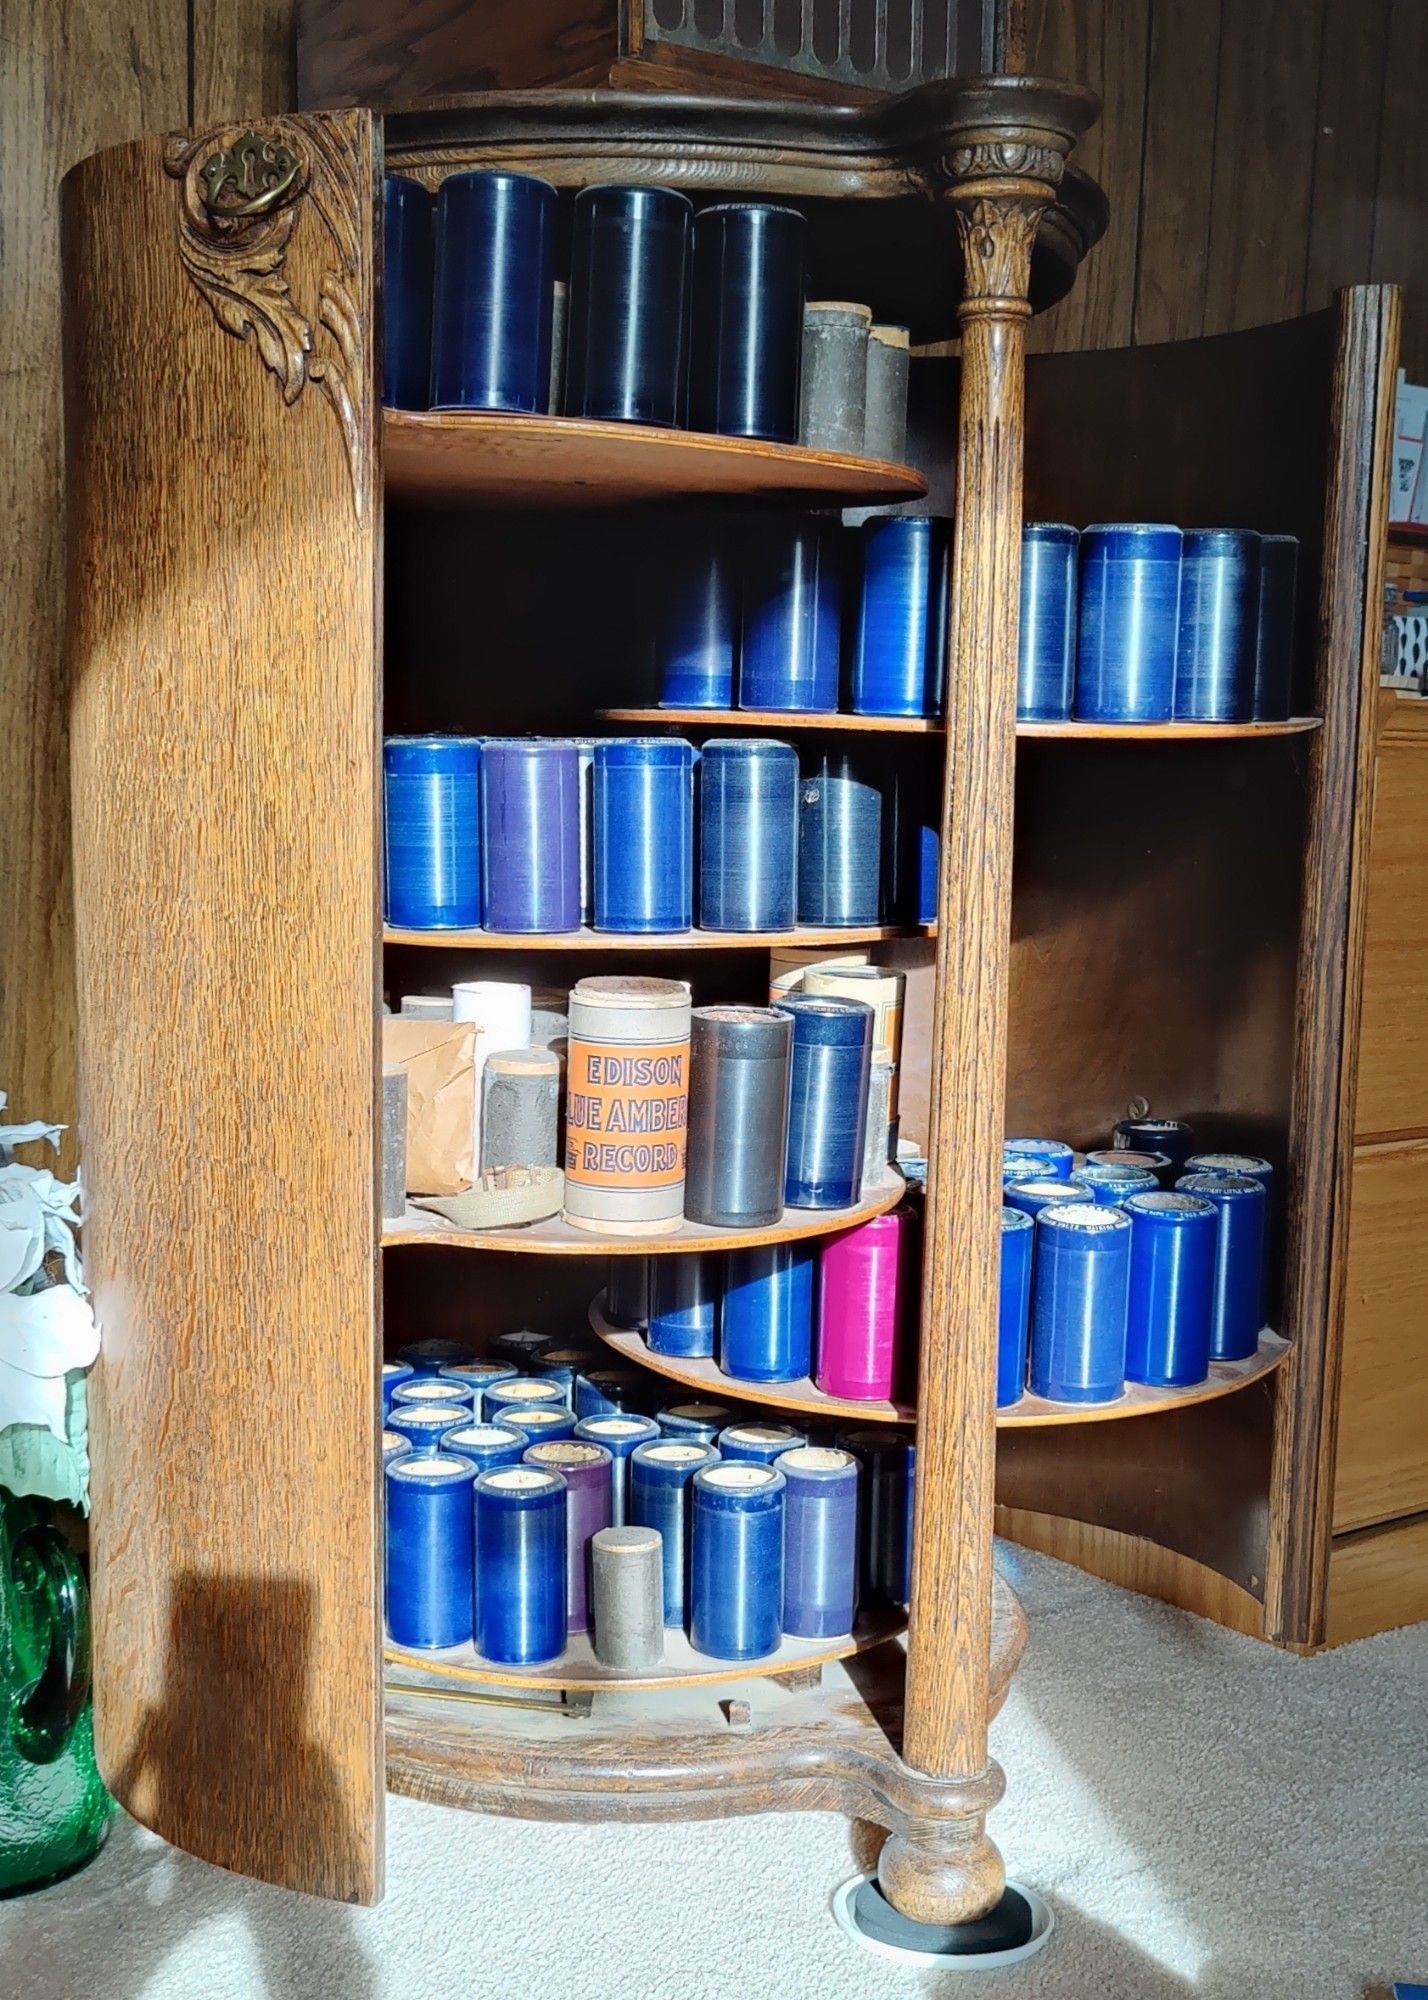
column 585, row 1468
column 530, row 834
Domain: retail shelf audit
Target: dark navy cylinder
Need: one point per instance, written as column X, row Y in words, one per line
column 757, row 1444
column 1274, row 628
column 562, row 1365
column 494, row 290
column 928, row 853
column 627, row 342
column 530, row 834
column 697, row 634
column 766, row 1318
column 607, row 1392
column 1155, row 1135
column 684, row 1306
column 1045, row 1191
column 748, row 835
column 1046, row 1159
column 520, row 1346
column 839, row 846
column 792, row 607
column 1127, row 618
column 1114, row 1185
column 736, row 1583
column 701, row 1422
column 1219, row 618
column 661, row 1479
column 621, row 1433
column 820, row 1541
column 488, row 1446
column 1080, row 1295
column 429, row 1549
column 406, row 293
column 1172, row 1289
column 1242, row 1207
column 478, row 1376
column 520, row 1566
column 423, row 1425
column 1014, row 1305
column 394, row 1373
column 1160, row 1164
column 644, row 834
column 828, row 1100
column 433, row 832
column 627, row 1294
column 747, row 341
column 885, row 1498
column 1046, row 659
column 545, row 1423
column 429, row 1357
column 898, row 628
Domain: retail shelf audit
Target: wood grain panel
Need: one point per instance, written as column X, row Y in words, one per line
column 1181, row 94
column 1400, row 241
column 1377, row 1579
column 1136, row 1564
column 243, row 59
column 1381, row 1468
column 224, row 601
column 1346, row 144
column 1393, row 1028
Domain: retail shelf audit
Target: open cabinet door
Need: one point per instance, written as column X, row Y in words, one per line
column 224, row 544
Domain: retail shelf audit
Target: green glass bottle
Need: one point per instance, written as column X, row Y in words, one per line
column 54, row 1810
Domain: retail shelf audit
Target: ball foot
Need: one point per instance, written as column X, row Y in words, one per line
column 1015, row 1929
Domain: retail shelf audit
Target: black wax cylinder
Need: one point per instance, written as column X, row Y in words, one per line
column 747, row 339
column 406, row 293
column 738, row 1115
column 627, row 341
column 1274, row 642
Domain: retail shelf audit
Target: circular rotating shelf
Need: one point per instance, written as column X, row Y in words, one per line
column 920, row 725
column 586, row 939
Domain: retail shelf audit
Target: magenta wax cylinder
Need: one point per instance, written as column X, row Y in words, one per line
column 867, row 1307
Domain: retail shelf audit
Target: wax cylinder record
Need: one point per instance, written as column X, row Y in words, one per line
column 747, row 340
column 1170, row 1136
column 834, row 386
column 1032, row 1196
column 522, row 1392
column 1160, row 1164
column 898, row 634
column 406, row 292
column 1242, row 1207
column 491, row 307
column 586, row 1469
column 627, row 1598
column 929, row 862
column 661, row 1476
column 1127, row 619
column 520, row 1613
column 530, row 834
column 394, row 1373
column 394, row 1445
column 905, row 787
column 789, row 965
column 1114, row 1185
column 684, row 1306
column 791, row 613
column 820, row 1541
column 757, row 1444
column 562, row 1365
column 518, row 1345
column 1080, row 1291
column 644, row 834
column 766, row 1318
column 1219, row 618
column 739, row 1072
column 423, row 1425
column 487, row 1445
column 1233, row 1163
column 867, row 1303
column 1052, row 1154
column 828, row 1097
column 701, row 1422
column 433, row 832
column 885, row 1490
column 539, row 1423
column 1274, row 627
column 1014, row 1305
column 429, row 1357
column 627, row 1105
column 479, row 1376
column 839, row 845
column 1046, row 658
column 608, row 1392
column 621, row 1434
column 697, row 630
column 885, row 399
column 885, row 991
column 627, row 341
column 748, row 835
column 426, row 1007
column 433, row 1389
column 520, row 1109
column 1172, row 1289
column 429, row 1549
column 627, row 1293
column 736, row 1582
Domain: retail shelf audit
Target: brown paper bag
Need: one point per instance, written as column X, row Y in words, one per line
column 439, row 1059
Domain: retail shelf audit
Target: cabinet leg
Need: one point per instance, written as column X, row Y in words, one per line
column 942, row 1871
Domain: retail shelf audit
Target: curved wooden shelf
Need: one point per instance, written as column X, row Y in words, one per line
column 556, row 1237
column 922, row 725
column 1168, row 732
column 586, row 939
column 443, row 457
column 1225, row 1377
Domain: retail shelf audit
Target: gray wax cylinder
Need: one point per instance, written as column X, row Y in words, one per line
column 876, row 1144
column 885, row 417
column 738, row 1115
column 835, row 375
column 520, row 1108
column 627, row 1572
column 426, row 1006
column 559, row 316
column 394, row 1141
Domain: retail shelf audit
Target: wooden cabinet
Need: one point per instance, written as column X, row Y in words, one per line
column 1392, row 1070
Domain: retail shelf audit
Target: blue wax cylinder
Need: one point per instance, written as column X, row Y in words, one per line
column 539, row 1424
column 748, row 835
column 700, row 1423
column 661, row 1480
column 424, row 1425
column 792, row 608
column 479, row 1376
column 1128, row 612
column 766, row 1318
column 757, row 1444
column 820, row 1541
column 394, row 1373
column 697, row 636
column 562, row 1365
column 520, row 1345
column 1046, row 662
column 1079, row 1303
column 1274, row 628
column 1219, row 617
column 1114, row 1185
column 1155, row 1135
column 429, row 1357
column 586, row 1469
column 607, row 1392
column 1160, row 1164
column 521, row 1392
column 620, row 1433
column 839, row 846
column 898, row 628
column 1242, row 1208
column 627, row 1294
column 1054, row 1155
column 530, row 834
column 747, row 342
column 435, row 1390
column 520, row 1566
column 394, row 1445
column 494, row 292
column 433, row 832
column 1172, row 1289
column 684, row 1306
column 429, row 1549
column 1014, row 1305
column 487, row 1445
column 627, row 342
column 736, row 1581
column 1032, row 1196
column 828, row 1100
column 885, row 1497
column 928, row 854
column 1233, row 1163
column 406, row 293
column 644, row 834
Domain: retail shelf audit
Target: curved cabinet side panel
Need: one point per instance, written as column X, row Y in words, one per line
column 224, row 544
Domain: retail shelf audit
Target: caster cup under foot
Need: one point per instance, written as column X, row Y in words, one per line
column 1015, row 1930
